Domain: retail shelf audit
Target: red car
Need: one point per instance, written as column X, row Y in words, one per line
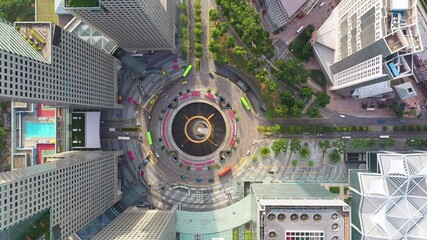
column 142, row 173
column 133, row 102
column 131, row 155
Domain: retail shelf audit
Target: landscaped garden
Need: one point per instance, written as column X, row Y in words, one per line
column 334, row 156
column 304, row 152
column 265, row 151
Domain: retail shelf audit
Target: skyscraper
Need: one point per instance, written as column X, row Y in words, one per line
column 366, row 43
column 135, row 25
column 74, row 186
column 40, row 62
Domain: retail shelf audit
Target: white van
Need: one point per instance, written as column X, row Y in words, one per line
column 342, row 116
column 321, row 4
column 346, row 137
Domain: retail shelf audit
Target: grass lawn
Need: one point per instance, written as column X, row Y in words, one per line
column 335, row 190
column 46, row 11
column 81, row 3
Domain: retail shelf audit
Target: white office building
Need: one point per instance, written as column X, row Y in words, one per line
column 134, row 25
column 40, row 62
column 74, row 186
column 140, row 223
column 365, row 44
column 389, row 197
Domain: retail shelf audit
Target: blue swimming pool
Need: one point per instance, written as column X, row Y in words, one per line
column 39, row 130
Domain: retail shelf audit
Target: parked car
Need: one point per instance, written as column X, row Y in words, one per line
column 211, row 180
column 183, row 177
column 199, row 179
column 381, row 121
column 402, row 121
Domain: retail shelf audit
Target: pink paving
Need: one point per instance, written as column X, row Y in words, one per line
column 41, row 148
column 210, row 96
column 164, row 130
column 231, row 114
column 43, row 112
column 184, row 96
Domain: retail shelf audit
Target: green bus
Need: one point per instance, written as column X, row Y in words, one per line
column 245, row 102
column 150, row 140
column 187, row 71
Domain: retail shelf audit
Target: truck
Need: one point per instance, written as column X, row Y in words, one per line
column 123, row 138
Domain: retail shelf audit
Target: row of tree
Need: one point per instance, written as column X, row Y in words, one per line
column 184, row 27
column 198, row 29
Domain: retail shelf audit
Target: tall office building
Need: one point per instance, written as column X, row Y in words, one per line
column 40, row 62
column 365, row 44
column 389, row 197
column 135, row 25
column 140, row 223
column 74, row 186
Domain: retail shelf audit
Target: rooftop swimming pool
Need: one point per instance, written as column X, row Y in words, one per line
column 39, row 130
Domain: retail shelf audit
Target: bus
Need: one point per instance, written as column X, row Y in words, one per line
column 300, row 29
column 150, row 140
column 384, row 136
column 224, row 171
column 123, row 138
column 245, row 102
column 187, row 71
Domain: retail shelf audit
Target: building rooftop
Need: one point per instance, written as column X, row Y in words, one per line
column 292, row 6
column 392, row 201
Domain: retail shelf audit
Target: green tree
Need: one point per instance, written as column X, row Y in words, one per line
column 230, row 42
column 223, row 27
column 291, row 72
column 313, row 112
column 325, row 145
column 239, row 50
column 252, row 64
column 17, row 10
column 214, row 46
column 306, row 92
column 295, row 110
column 2, row 132
column 281, row 110
column 287, row 98
column 275, row 128
column 279, row 144
column 213, row 15
column 215, row 33
column 295, row 145
column 323, row 99
column 273, row 86
column 184, row 19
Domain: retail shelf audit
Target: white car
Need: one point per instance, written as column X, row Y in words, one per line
column 157, row 155
column 248, row 152
column 255, row 142
column 342, row 116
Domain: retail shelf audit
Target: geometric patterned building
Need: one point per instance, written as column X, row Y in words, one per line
column 133, row 25
column 364, row 44
column 389, row 201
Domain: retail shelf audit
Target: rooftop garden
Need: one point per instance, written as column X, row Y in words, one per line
column 81, row 3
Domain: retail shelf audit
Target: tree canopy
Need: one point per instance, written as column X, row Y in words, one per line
column 291, row 72
column 323, row 99
column 17, row 10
